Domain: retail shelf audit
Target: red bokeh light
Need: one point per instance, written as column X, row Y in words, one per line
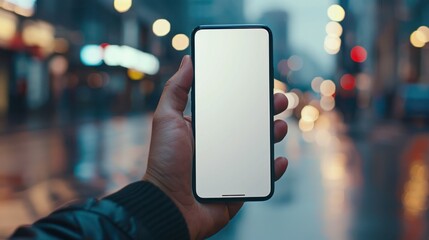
column 348, row 82
column 104, row 45
column 358, row 54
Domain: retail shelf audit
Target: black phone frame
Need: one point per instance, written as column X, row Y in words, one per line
column 271, row 86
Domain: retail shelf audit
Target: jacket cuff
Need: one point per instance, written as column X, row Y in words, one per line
column 153, row 208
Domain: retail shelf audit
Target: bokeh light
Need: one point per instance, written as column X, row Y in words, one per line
column 295, row 63
column 122, row 5
column 135, row 75
column 39, row 34
column 336, row 13
column 332, row 44
column 363, row 82
column 309, row 113
column 420, row 36
column 348, row 82
column 334, row 29
column 8, row 23
column 283, row 67
column 425, row 31
column 293, row 100
column 58, row 65
column 306, row 126
column 279, row 86
column 91, row 55
column 327, row 103
column 416, row 189
column 161, row 27
column 180, row 42
column 327, row 88
column 358, row 54
column 131, row 58
column 417, row 39
column 315, row 84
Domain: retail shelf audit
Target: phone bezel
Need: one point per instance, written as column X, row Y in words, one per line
column 271, row 92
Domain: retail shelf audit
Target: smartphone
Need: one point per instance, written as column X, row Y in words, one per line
column 232, row 112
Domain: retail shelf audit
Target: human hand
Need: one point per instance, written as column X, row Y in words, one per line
column 171, row 152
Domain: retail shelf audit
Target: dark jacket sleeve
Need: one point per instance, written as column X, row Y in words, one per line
column 138, row 211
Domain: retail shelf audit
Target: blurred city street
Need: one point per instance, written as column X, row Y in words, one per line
column 336, row 187
column 80, row 80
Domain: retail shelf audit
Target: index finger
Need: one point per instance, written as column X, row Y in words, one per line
column 280, row 103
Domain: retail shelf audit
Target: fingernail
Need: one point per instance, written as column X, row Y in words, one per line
column 185, row 59
column 183, row 62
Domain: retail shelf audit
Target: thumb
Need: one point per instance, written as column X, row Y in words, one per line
column 175, row 94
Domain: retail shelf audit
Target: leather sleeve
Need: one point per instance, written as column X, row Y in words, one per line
column 138, row 211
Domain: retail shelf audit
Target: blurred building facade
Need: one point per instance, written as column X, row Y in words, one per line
column 277, row 21
column 43, row 78
column 393, row 80
column 204, row 12
column 406, row 87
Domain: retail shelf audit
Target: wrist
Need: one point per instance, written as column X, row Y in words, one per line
column 184, row 202
column 151, row 207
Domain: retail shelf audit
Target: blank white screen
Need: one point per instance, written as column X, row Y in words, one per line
column 232, row 113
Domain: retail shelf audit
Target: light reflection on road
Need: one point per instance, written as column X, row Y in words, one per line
column 41, row 170
column 335, row 187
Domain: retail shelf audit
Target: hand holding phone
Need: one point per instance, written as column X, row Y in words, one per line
column 170, row 156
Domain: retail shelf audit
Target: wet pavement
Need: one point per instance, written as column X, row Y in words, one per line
column 373, row 185
column 42, row 169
